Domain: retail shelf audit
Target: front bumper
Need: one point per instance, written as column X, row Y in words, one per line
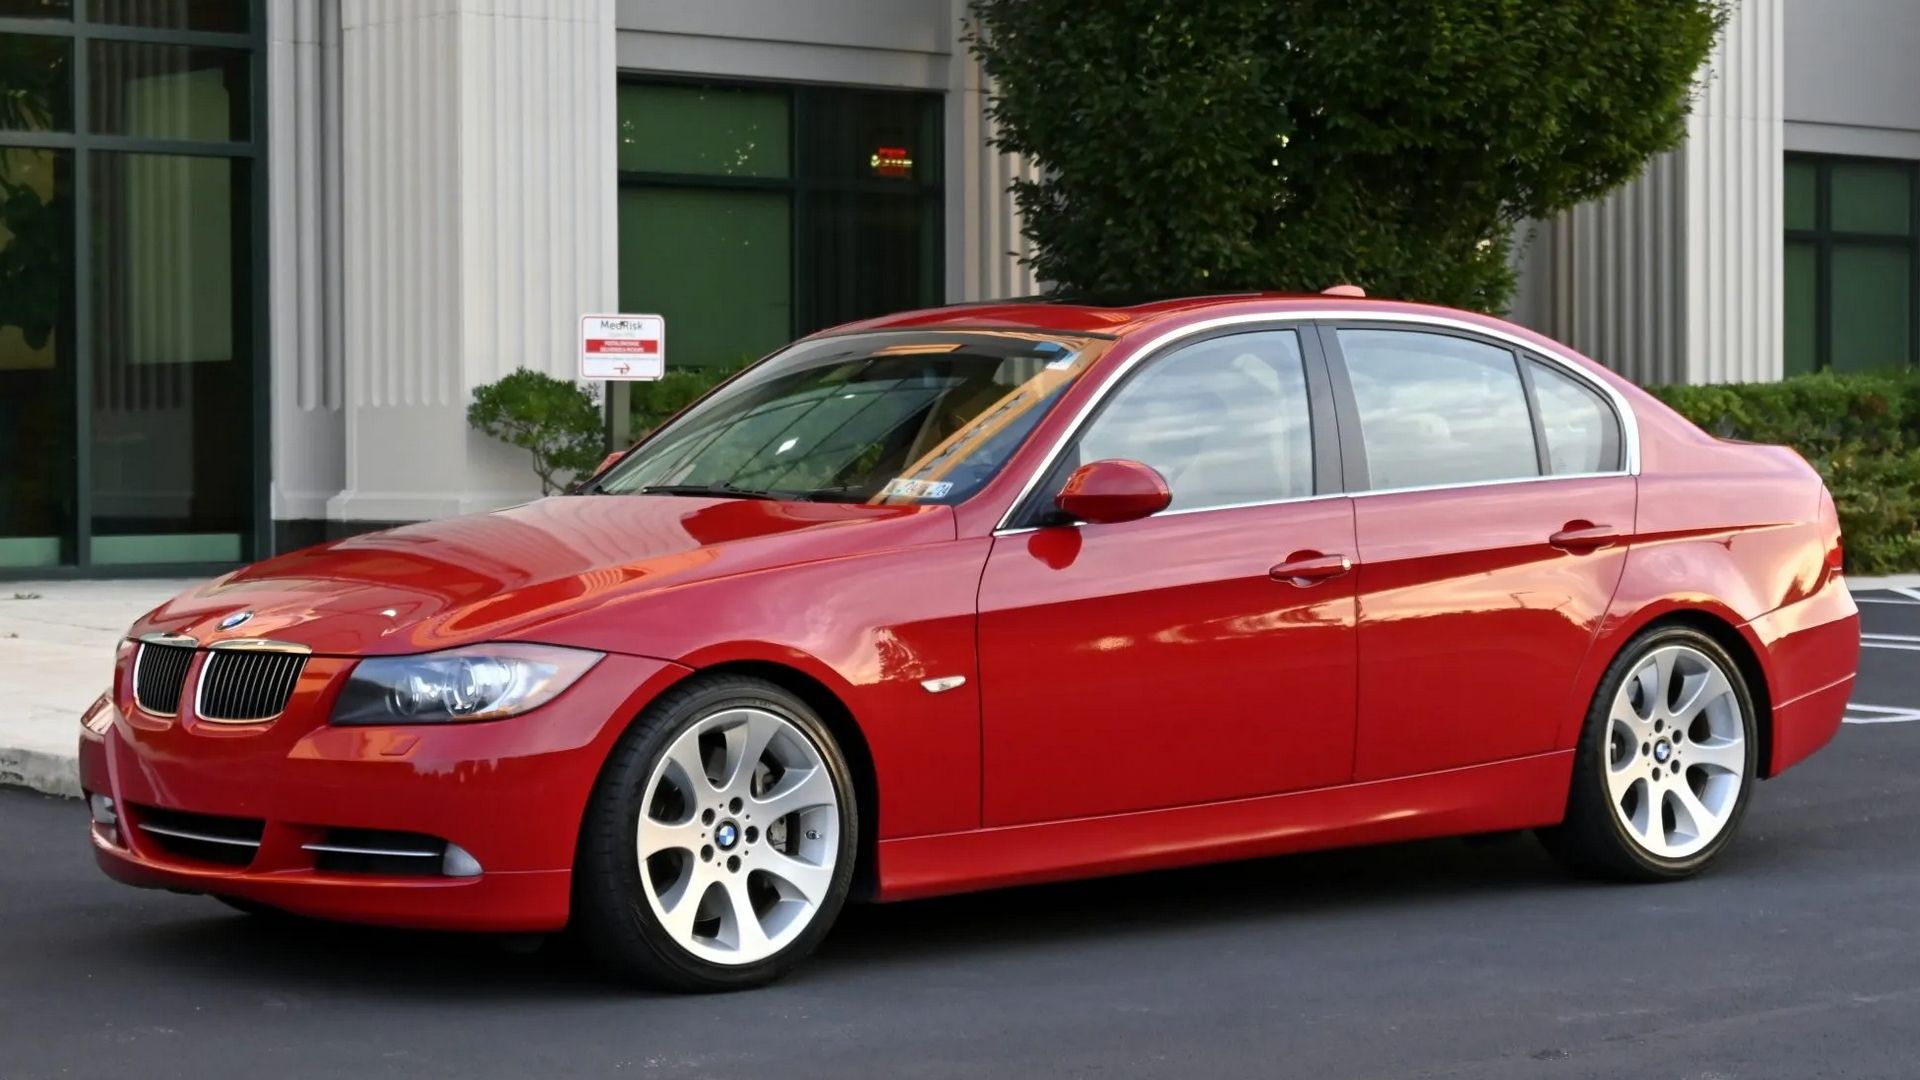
column 509, row 792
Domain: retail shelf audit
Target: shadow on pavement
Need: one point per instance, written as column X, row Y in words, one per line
column 290, row 953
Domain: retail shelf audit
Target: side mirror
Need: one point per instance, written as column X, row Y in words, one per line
column 1106, row 492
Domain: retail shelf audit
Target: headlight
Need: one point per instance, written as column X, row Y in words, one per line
column 479, row 682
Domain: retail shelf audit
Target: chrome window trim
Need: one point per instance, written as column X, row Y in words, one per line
column 1629, row 422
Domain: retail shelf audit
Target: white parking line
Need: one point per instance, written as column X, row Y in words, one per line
column 1911, row 594
column 1879, row 714
column 1885, row 600
column 1903, row 642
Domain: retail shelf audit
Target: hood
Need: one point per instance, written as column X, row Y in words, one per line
column 483, row 577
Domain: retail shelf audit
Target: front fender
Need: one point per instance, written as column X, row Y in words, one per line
column 871, row 628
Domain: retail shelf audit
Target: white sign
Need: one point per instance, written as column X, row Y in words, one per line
column 618, row 348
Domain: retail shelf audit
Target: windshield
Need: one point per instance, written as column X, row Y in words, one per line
column 879, row 417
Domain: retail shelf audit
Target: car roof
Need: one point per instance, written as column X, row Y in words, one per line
column 1114, row 315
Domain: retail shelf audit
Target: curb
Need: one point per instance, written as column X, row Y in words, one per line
column 40, row 770
column 1888, row 581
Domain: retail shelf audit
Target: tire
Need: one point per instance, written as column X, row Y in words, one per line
column 1673, row 712
column 672, row 863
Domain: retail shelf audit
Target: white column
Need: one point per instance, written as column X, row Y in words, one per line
column 1677, row 276
column 478, row 211
column 303, row 167
column 984, row 243
column 1735, row 218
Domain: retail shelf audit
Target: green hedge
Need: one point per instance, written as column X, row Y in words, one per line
column 1861, row 431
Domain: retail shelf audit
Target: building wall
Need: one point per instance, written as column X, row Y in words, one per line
column 1677, row 276
column 1851, row 86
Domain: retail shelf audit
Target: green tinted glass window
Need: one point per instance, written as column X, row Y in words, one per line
column 1801, row 320
column 883, row 139
column 168, row 91
column 36, row 9
column 36, row 357
column 218, row 16
column 717, row 264
column 1872, row 291
column 1802, row 194
column 171, row 367
column 1869, row 197
column 703, row 131
column 36, row 83
column 1849, row 285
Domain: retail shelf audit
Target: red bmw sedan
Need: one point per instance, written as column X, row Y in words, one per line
column 990, row 595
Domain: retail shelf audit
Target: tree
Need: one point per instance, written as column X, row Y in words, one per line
column 1214, row 145
column 556, row 420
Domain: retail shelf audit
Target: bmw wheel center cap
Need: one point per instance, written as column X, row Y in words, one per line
column 726, row 835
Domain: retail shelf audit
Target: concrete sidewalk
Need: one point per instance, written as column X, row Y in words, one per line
column 56, row 654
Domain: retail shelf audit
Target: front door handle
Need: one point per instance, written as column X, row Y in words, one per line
column 1584, row 536
column 1304, row 568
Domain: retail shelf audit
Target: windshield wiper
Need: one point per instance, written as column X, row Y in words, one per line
column 718, row 491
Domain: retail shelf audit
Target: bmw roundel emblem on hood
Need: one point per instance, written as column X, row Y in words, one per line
column 236, row 619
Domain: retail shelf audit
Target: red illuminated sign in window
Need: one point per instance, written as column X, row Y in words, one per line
column 892, row 161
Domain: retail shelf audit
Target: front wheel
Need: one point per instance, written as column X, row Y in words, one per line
column 719, row 842
column 1666, row 763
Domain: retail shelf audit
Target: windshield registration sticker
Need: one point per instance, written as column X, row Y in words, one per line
column 916, row 489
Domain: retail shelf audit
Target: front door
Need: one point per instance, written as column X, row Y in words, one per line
column 1492, row 535
column 1205, row 653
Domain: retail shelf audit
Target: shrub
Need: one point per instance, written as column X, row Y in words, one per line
column 1241, row 144
column 556, row 420
column 1861, row 431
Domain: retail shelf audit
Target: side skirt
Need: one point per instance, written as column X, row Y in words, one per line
column 1514, row 794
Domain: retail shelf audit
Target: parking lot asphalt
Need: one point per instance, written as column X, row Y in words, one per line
column 1798, row 955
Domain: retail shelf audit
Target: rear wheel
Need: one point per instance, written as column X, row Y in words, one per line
column 1666, row 763
column 719, row 843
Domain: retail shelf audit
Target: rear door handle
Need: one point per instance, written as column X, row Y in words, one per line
column 1582, row 536
column 1304, row 568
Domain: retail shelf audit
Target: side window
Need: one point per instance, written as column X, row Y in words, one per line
column 1582, row 434
column 1225, row 421
column 1436, row 409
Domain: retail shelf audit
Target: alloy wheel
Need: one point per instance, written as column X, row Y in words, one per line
column 1676, row 752
column 739, row 834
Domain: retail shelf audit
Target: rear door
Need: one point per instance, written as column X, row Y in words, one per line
column 1492, row 514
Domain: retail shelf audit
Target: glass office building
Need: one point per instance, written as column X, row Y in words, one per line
column 256, row 254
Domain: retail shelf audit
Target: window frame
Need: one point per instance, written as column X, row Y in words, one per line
column 800, row 183
column 1823, row 237
column 1353, row 449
